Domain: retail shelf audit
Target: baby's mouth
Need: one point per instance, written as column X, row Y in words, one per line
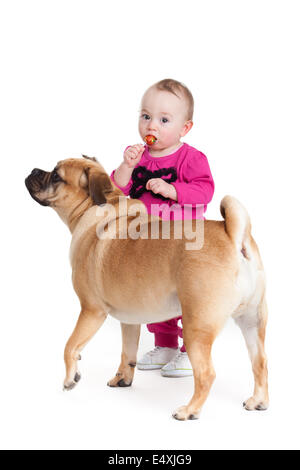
column 150, row 139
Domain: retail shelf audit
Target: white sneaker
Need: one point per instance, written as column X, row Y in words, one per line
column 156, row 358
column 180, row 366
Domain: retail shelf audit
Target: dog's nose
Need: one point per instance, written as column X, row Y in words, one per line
column 36, row 172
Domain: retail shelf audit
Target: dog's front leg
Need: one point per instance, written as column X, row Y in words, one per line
column 130, row 339
column 88, row 323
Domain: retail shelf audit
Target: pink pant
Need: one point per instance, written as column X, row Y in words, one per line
column 166, row 333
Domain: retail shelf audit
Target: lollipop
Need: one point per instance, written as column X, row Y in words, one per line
column 150, row 139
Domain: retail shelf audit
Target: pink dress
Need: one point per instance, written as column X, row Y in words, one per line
column 187, row 169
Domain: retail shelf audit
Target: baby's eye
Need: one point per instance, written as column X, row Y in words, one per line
column 146, row 116
column 164, row 120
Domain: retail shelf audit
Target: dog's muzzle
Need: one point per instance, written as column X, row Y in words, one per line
column 37, row 181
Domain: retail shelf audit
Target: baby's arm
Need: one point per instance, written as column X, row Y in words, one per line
column 122, row 175
column 132, row 156
column 197, row 186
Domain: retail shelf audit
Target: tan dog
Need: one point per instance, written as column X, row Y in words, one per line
column 152, row 280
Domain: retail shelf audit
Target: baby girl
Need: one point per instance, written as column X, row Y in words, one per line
column 174, row 174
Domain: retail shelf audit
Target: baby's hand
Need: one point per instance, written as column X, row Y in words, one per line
column 133, row 154
column 160, row 186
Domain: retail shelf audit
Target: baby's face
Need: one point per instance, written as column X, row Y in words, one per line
column 164, row 116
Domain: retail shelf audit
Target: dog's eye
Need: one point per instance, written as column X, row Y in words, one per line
column 55, row 178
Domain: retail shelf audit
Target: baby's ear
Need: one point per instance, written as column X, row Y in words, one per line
column 187, row 127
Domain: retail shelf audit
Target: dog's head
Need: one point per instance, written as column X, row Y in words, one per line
column 72, row 183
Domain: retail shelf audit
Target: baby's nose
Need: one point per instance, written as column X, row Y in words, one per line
column 152, row 125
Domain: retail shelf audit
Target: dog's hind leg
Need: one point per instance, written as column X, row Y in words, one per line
column 88, row 323
column 198, row 342
column 199, row 332
column 130, row 339
column 253, row 327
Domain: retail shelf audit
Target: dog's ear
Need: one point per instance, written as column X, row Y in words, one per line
column 101, row 189
column 94, row 159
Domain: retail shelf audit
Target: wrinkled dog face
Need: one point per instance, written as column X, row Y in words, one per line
column 43, row 185
column 71, row 181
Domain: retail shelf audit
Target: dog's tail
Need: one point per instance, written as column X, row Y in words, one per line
column 237, row 224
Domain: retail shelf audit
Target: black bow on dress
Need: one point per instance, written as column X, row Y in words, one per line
column 140, row 177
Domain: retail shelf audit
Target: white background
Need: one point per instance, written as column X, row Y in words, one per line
column 72, row 75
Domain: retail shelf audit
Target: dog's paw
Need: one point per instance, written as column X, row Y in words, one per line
column 183, row 413
column 69, row 385
column 255, row 404
column 119, row 381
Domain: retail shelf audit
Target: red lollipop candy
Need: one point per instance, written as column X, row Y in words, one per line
column 150, row 139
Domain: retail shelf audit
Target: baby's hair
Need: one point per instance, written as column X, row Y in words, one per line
column 177, row 88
